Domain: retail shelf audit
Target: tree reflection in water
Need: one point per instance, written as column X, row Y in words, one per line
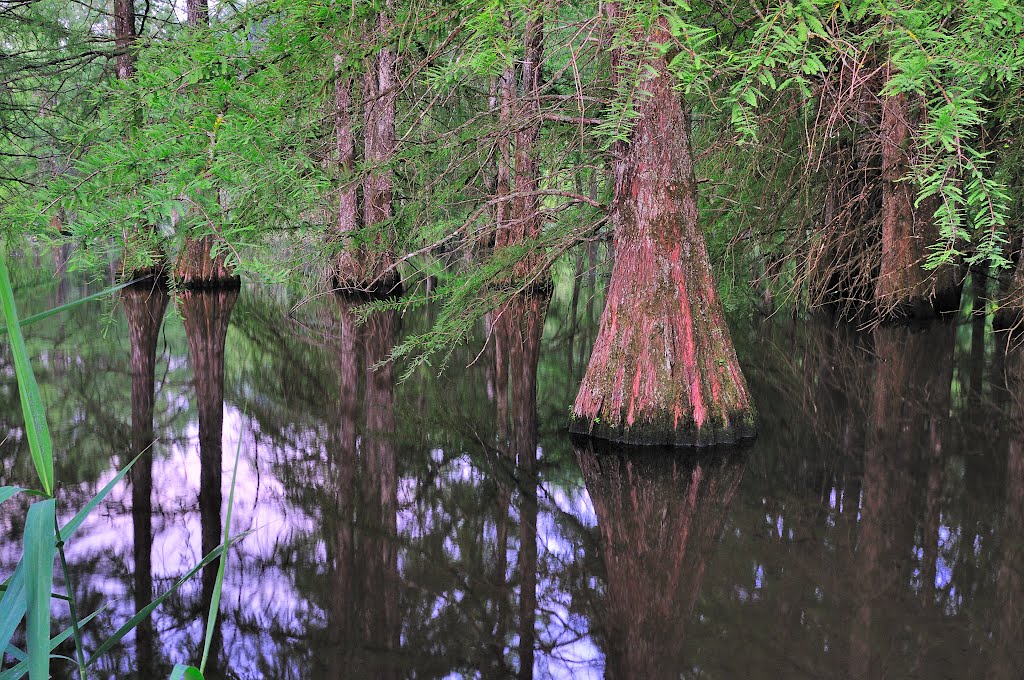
column 207, row 314
column 660, row 515
column 445, row 526
column 144, row 307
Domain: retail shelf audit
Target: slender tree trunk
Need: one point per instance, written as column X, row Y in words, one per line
column 905, row 288
column 197, row 266
column 371, row 269
column 198, row 12
column 503, row 188
column 525, row 224
column 124, row 38
column 663, row 369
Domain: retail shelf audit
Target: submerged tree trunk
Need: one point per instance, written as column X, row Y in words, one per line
column 197, row 265
column 905, row 289
column 663, row 369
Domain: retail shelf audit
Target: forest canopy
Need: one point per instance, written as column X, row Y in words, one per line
column 415, row 139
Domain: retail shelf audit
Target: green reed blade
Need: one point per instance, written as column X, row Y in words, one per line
column 7, row 492
column 16, row 653
column 40, row 550
column 211, row 618
column 74, row 303
column 38, row 434
column 13, row 605
column 148, row 609
column 76, row 521
column 183, row 672
column 19, row 670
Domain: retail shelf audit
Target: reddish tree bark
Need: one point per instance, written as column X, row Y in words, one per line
column 124, row 38
column 524, row 223
column 904, row 287
column 663, row 369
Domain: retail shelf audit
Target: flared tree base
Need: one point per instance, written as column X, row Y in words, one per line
column 741, row 428
column 198, row 269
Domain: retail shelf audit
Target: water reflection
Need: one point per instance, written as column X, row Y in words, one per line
column 361, row 531
column 445, row 526
column 207, row 315
column 659, row 515
column 144, row 308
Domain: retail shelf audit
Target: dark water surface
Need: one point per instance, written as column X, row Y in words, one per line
column 446, row 526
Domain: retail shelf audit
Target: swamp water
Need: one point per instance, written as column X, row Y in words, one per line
column 446, row 526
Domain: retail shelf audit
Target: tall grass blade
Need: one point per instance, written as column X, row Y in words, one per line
column 183, row 672
column 13, row 605
column 40, row 550
column 8, row 492
column 77, row 520
column 211, row 618
column 18, row 671
column 148, row 609
column 74, row 303
column 38, row 434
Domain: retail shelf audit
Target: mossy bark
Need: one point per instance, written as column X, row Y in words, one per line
column 663, row 369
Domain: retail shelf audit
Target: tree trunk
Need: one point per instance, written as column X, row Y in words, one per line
column 371, row 269
column 663, row 369
column 1011, row 303
column 905, row 289
column 525, row 224
column 197, row 266
column 198, row 12
column 124, row 38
